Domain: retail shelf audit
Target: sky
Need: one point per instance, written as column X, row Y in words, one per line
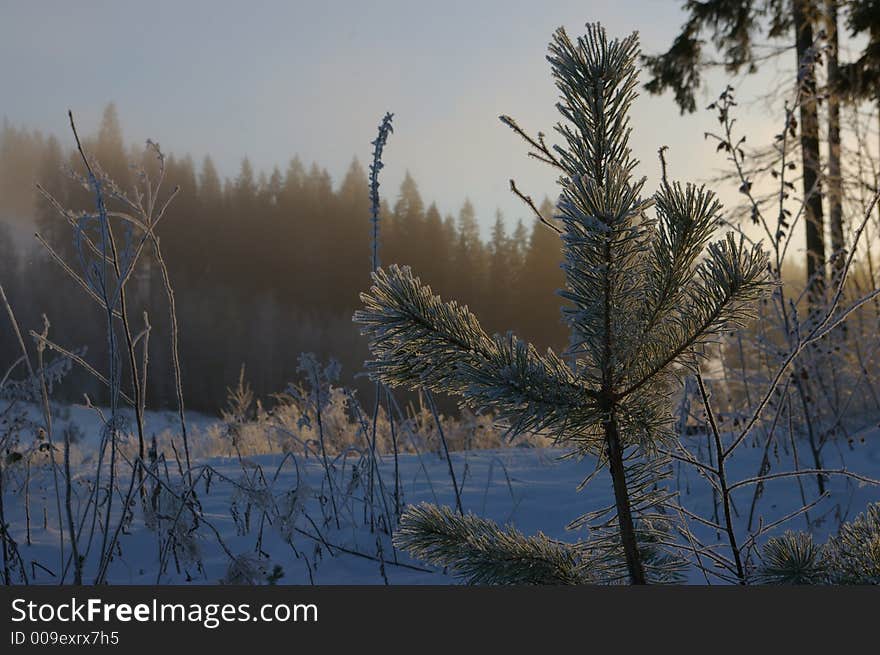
column 270, row 80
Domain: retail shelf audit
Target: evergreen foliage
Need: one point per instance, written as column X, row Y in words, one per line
column 735, row 30
column 792, row 559
column 481, row 553
column 861, row 78
column 643, row 294
column 851, row 557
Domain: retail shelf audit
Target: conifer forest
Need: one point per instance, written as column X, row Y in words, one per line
column 459, row 301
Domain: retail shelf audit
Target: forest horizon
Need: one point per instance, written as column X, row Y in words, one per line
column 280, row 259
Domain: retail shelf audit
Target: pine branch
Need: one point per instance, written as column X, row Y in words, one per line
column 417, row 340
column 792, row 559
column 687, row 218
column 853, row 555
column 727, row 283
column 482, row 553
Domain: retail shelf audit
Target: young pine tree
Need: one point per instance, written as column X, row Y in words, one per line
column 643, row 295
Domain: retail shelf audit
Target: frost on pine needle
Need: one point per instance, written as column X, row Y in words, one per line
column 644, row 294
column 482, row 553
column 853, row 555
column 792, row 559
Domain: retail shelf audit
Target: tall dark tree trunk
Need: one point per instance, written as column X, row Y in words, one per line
column 804, row 13
column 835, row 181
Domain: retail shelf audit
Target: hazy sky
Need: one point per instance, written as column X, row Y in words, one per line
column 273, row 79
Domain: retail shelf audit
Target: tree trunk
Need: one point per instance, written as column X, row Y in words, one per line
column 612, row 437
column 803, row 15
column 621, row 500
column 835, row 181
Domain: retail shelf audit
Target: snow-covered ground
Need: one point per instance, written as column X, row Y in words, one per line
column 274, row 511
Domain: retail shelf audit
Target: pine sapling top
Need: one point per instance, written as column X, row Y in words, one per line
column 645, row 287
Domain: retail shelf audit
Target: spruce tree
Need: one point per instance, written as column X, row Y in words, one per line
column 643, row 295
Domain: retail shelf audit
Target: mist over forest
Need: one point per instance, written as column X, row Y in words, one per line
column 265, row 265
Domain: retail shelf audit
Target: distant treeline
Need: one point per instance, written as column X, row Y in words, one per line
column 264, row 266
